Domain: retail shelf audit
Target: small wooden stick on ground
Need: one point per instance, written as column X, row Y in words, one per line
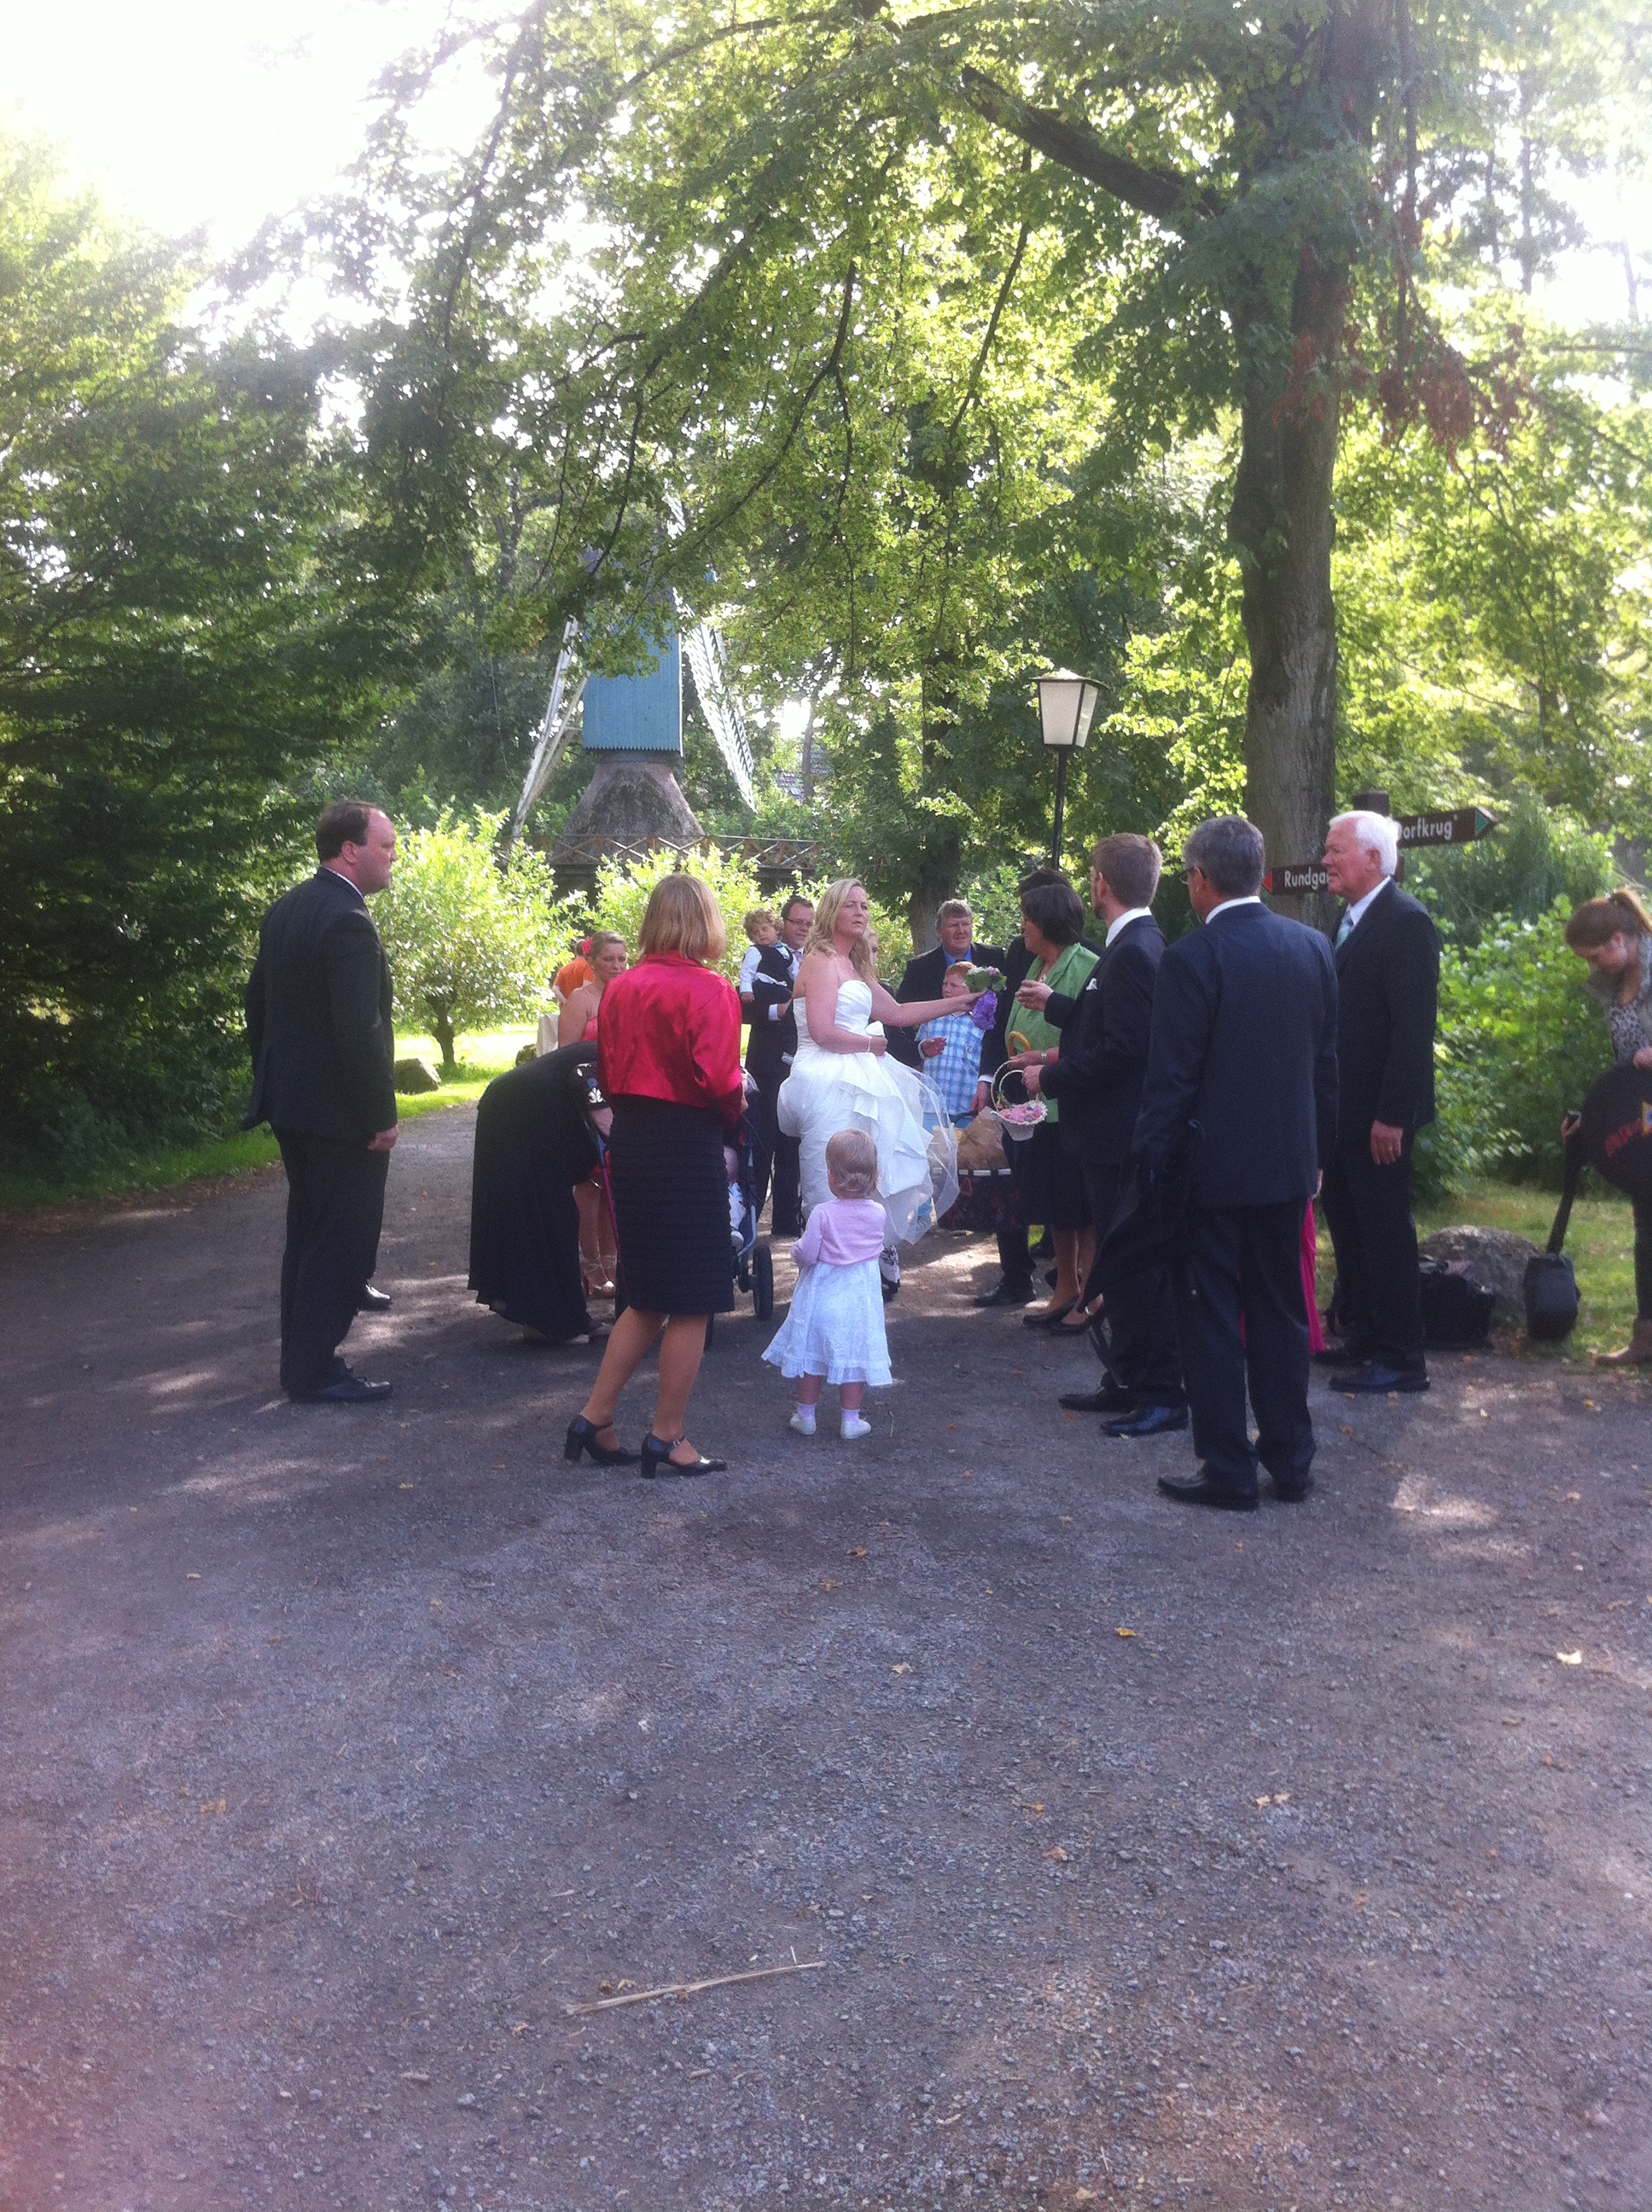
column 690, row 1988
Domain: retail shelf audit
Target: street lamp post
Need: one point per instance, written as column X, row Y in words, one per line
column 1066, row 708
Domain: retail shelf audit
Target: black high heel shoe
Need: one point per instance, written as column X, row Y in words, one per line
column 582, row 1438
column 657, row 1460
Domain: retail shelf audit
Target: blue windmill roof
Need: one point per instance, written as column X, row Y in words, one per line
column 637, row 713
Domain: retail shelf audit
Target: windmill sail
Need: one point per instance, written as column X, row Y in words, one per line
column 719, row 703
column 552, row 741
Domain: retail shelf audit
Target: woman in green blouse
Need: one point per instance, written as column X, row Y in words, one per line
column 1049, row 1189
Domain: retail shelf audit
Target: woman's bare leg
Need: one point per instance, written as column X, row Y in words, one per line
column 623, row 1353
column 681, row 1350
column 1067, row 1277
column 593, row 1220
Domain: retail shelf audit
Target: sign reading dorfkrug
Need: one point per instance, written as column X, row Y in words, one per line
column 1300, row 878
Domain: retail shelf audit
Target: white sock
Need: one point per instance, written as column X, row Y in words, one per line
column 851, row 1426
column 802, row 1420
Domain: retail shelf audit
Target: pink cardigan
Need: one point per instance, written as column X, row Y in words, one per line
column 842, row 1231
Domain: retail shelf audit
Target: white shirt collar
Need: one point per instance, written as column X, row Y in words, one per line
column 1354, row 912
column 343, row 878
column 1229, row 905
column 1130, row 914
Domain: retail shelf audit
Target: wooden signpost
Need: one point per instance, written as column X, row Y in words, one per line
column 1301, row 878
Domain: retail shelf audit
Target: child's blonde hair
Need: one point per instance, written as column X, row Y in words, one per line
column 957, row 968
column 852, row 1163
column 759, row 918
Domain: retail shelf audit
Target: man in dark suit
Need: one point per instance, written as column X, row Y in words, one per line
column 768, row 1004
column 1387, row 959
column 1097, row 1077
column 1014, row 1286
column 1240, row 1103
column 319, row 1023
column 954, row 933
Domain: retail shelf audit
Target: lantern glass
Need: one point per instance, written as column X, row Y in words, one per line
column 1066, row 708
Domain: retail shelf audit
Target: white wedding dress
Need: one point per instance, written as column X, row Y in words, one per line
column 826, row 1091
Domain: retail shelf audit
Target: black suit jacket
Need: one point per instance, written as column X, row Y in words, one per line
column 772, row 1043
column 318, row 1017
column 1104, row 1039
column 1387, row 992
column 1244, row 1044
column 922, row 980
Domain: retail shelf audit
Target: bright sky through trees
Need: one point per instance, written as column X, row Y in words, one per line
column 214, row 113
column 208, row 114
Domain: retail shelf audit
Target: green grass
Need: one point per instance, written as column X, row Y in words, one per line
column 1600, row 1242
column 480, row 1057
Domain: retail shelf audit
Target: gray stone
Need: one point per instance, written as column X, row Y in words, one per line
column 416, row 1075
column 1496, row 1257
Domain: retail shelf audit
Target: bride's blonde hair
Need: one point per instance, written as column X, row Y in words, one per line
column 828, row 906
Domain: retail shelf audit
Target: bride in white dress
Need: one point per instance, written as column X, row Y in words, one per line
column 841, row 1078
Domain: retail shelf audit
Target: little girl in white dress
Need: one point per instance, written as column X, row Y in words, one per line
column 833, row 1330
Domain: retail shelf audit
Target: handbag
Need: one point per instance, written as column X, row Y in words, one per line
column 1550, row 1285
column 1456, row 1309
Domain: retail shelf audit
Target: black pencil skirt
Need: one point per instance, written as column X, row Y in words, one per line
column 670, row 1207
column 1049, row 1187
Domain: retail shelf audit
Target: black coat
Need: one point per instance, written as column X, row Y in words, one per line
column 1388, row 990
column 318, row 1017
column 770, row 1043
column 1098, row 1076
column 533, row 1143
column 1244, row 1044
column 922, row 980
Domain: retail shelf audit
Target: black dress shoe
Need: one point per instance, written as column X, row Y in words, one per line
column 1201, row 1491
column 374, row 1301
column 1292, row 1493
column 1149, row 1421
column 1375, row 1382
column 582, row 1438
column 1051, row 1319
column 347, row 1390
column 1008, row 1292
column 1109, row 1398
column 657, row 1460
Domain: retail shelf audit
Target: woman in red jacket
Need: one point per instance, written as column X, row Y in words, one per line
column 668, row 1057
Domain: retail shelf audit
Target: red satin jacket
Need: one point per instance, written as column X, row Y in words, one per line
column 671, row 1028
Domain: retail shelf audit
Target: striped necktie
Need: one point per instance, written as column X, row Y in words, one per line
column 1345, row 930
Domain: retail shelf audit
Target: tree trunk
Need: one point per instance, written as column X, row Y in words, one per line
column 1280, row 524
column 939, row 845
column 937, row 879
column 441, row 1029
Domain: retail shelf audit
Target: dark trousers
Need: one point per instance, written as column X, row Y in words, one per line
column 1245, row 1264
column 1368, row 1212
column 1015, row 1253
column 1642, row 1209
column 775, row 1155
column 1140, row 1315
column 335, row 1209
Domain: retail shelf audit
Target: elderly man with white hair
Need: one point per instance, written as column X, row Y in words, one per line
column 1387, row 959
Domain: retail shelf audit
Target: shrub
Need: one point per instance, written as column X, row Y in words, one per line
column 469, row 941
column 1518, row 1042
column 622, row 895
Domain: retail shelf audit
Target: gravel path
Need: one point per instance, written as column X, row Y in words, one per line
column 1152, row 1858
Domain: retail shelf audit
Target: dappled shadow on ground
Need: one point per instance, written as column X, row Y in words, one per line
column 1293, row 1861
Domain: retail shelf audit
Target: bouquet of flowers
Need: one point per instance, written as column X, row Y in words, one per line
column 989, row 981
